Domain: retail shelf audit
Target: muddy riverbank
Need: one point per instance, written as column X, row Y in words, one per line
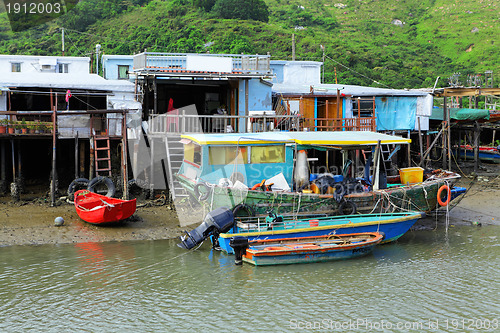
column 31, row 221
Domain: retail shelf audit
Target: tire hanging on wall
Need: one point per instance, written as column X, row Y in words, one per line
column 203, row 195
column 77, row 184
column 102, row 180
column 347, row 207
column 243, row 207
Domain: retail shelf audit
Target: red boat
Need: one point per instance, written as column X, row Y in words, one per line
column 98, row 209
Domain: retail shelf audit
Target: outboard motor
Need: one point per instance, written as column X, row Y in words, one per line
column 219, row 220
column 239, row 244
column 273, row 220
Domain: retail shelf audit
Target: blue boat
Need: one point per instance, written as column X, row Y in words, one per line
column 485, row 154
column 391, row 225
column 310, row 249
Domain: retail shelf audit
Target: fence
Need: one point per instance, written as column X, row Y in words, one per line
column 339, row 124
column 246, row 64
column 185, row 123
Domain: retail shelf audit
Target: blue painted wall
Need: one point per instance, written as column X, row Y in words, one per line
column 277, row 68
column 259, row 97
column 110, row 65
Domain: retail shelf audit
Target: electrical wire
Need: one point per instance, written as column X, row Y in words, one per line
column 352, row 70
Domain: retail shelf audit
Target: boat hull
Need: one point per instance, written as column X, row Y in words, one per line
column 99, row 209
column 311, row 249
column 485, row 154
column 417, row 197
column 392, row 226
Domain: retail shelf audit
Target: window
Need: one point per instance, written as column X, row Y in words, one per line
column 62, row 68
column 364, row 107
column 267, row 154
column 192, row 153
column 16, row 67
column 122, row 72
column 227, row 155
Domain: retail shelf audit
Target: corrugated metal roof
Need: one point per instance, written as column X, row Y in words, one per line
column 331, row 89
column 65, row 81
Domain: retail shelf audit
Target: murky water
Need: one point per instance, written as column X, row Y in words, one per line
column 428, row 281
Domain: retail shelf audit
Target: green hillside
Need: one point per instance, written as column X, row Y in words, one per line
column 397, row 43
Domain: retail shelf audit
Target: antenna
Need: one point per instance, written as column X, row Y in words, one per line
column 97, row 48
column 62, row 37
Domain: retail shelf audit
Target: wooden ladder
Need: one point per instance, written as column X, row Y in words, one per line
column 102, row 156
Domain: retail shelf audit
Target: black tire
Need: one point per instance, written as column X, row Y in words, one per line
column 243, row 207
column 339, row 192
column 102, row 180
column 203, row 195
column 77, row 184
column 347, row 207
column 358, row 188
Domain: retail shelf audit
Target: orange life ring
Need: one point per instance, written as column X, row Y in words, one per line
column 276, row 248
column 448, row 198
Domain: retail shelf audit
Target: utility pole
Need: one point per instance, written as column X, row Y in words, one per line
column 293, row 47
column 323, row 74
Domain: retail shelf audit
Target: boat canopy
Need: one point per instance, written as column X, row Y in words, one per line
column 239, row 138
column 341, row 139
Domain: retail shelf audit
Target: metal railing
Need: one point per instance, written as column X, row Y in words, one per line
column 155, row 61
column 339, row 124
column 185, row 123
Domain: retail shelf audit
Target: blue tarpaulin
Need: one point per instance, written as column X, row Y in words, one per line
column 396, row 113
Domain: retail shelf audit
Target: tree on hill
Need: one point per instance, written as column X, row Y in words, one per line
column 242, row 9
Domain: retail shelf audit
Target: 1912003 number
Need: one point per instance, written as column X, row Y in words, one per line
column 33, row 8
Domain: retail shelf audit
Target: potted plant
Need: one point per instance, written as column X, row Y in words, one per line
column 18, row 127
column 24, row 127
column 11, row 128
column 32, row 128
column 42, row 128
column 3, row 125
column 36, row 125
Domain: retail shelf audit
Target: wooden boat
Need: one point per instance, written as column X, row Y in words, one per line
column 310, row 249
column 99, row 209
column 485, row 154
column 392, row 225
column 214, row 163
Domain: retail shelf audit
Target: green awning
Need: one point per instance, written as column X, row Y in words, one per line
column 461, row 114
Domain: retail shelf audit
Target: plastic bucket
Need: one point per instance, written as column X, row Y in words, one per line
column 313, row 223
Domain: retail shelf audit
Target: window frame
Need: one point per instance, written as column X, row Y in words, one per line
column 126, row 72
column 62, row 68
column 18, row 65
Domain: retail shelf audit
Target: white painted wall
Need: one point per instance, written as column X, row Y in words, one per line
column 302, row 72
column 34, row 64
column 424, row 111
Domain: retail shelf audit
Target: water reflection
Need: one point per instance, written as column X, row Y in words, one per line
column 156, row 286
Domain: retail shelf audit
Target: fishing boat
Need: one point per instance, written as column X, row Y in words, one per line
column 485, row 154
column 392, row 225
column 221, row 226
column 252, row 173
column 99, row 209
column 308, row 249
